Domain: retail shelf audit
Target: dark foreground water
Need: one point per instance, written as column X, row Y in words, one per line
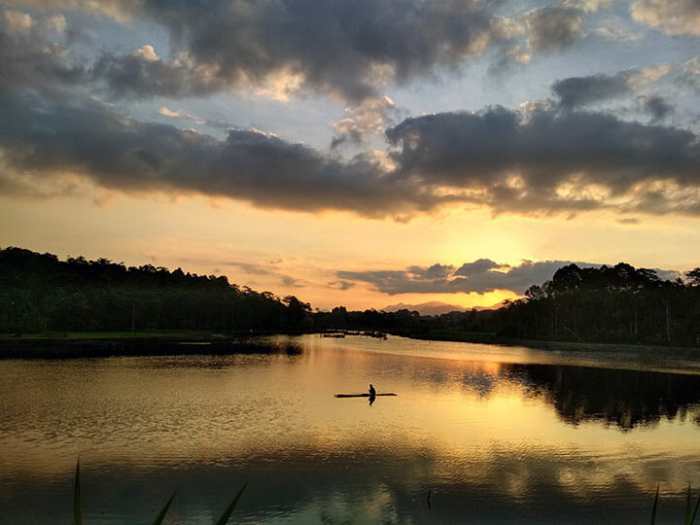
column 497, row 435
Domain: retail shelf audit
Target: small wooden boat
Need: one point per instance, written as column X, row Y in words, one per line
column 366, row 395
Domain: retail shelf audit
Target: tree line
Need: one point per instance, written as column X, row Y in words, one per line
column 609, row 304
column 39, row 292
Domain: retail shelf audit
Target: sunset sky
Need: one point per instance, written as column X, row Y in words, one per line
column 361, row 153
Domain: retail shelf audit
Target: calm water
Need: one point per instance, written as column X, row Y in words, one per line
column 498, row 435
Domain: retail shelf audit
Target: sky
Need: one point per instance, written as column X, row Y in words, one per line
column 360, row 153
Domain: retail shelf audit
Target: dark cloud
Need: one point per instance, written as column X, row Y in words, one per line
column 540, row 160
column 346, row 48
column 43, row 138
column 544, row 160
column 477, row 267
column 142, row 74
column 436, row 271
column 657, row 107
column 481, row 276
column 293, row 282
column 554, row 28
column 547, row 160
column 341, row 285
column 581, row 91
column 578, row 92
column 29, row 57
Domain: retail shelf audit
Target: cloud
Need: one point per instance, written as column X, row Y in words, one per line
column 341, row 285
column 581, row 91
column 554, row 28
column 673, row 17
column 544, row 30
column 293, row 282
column 42, row 139
column 18, row 22
column 249, row 268
column 576, row 92
column 537, row 161
column 143, row 74
column 589, row 6
column 30, row 58
column 617, row 30
column 480, row 276
column 350, row 49
column 175, row 114
column 167, row 112
column 657, row 107
column 689, row 74
column 120, row 10
column 369, row 118
column 147, row 53
column 477, row 267
column 545, row 160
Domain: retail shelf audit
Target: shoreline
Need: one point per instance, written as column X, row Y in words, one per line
column 132, row 344
column 561, row 346
column 127, row 344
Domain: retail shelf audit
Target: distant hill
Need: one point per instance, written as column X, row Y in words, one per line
column 429, row 308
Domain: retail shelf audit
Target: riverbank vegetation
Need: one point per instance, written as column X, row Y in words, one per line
column 621, row 304
column 611, row 304
column 40, row 293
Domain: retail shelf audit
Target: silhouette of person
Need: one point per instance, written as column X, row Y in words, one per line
column 372, row 391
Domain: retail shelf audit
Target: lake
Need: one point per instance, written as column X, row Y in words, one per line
column 495, row 434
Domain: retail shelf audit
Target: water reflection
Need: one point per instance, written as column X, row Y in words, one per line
column 494, row 436
column 620, row 397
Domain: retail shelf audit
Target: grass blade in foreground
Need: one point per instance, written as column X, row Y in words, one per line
column 695, row 512
column 77, row 514
column 164, row 511
column 229, row 510
column 653, row 509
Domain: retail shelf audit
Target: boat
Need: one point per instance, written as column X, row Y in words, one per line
column 391, row 394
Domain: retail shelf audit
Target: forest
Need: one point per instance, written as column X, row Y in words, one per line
column 39, row 292
column 608, row 304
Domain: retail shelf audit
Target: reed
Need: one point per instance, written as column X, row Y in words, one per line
column 160, row 518
column 690, row 516
column 691, row 512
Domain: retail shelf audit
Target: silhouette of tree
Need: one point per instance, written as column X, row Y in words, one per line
column 694, row 277
column 612, row 304
column 39, row 292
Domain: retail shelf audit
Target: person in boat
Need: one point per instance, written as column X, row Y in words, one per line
column 372, row 391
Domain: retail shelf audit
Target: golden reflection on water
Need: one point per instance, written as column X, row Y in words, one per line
column 505, row 432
